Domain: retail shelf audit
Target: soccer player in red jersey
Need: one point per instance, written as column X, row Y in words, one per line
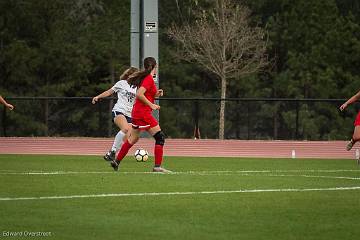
column 356, row 134
column 141, row 114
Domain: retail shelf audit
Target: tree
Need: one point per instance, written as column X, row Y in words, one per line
column 222, row 41
column 317, row 52
column 60, row 48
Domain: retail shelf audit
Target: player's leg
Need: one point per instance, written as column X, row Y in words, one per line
column 356, row 134
column 132, row 139
column 354, row 139
column 159, row 137
column 122, row 122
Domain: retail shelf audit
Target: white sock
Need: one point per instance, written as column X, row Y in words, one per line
column 119, row 138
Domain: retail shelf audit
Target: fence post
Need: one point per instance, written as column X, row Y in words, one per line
column 99, row 119
column 46, row 116
column 109, row 132
column 275, row 120
column 248, row 120
column 196, row 119
column 297, row 120
column 4, row 121
column 238, row 117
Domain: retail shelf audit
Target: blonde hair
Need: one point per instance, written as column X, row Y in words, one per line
column 125, row 75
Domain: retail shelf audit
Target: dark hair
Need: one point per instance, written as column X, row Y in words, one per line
column 136, row 78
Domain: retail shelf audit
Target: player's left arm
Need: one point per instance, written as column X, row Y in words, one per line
column 159, row 93
column 140, row 94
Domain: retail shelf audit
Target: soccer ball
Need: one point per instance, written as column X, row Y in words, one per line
column 141, row 155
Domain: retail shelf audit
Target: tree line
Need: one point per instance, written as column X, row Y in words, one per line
column 79, row 48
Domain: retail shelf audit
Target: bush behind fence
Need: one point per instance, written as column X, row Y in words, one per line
column 283, row 119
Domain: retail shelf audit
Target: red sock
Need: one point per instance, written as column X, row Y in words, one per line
column 123, row 151
column 158, row 152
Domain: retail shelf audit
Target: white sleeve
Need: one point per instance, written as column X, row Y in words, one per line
column 117, row 86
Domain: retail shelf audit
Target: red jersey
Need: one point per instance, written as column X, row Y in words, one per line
column 140, row 109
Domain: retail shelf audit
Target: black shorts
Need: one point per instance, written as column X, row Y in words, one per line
column 116, row 113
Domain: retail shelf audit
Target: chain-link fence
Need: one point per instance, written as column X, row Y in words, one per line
column 303, row 119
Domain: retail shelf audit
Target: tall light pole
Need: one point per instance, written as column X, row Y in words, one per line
column 135, row 30
column 144, row 31
column 144, row 34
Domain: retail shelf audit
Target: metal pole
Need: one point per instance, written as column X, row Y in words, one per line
column 144, row 34
column 248, row 120
column 46, row 117
column 196, row 119
column 297, row 120
column 150, row 44
column 135, row 59
column 144, row 31
column 150, row 38
column 4, row 121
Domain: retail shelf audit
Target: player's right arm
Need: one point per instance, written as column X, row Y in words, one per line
column 350, row 101
column 105, row 94
column 8, row 105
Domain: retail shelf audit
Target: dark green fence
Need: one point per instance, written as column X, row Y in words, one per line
column 255, row 118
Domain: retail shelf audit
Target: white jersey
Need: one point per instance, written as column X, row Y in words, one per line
column 126, row 97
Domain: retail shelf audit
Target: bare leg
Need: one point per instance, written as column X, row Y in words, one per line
column 124, row 127
column 121, row 122
column 355, row 138
column 356, row 135
column 133, row 138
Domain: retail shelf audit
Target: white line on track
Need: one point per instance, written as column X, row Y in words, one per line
column 181, row 193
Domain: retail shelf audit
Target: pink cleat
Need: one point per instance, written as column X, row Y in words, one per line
column 161, row 170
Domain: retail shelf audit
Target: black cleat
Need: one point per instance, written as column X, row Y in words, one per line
column 109, row 156
column 115, row 165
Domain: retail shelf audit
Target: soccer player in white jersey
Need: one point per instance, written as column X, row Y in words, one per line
column 121, row 111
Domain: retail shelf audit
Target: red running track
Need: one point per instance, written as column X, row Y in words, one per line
column 181, row 147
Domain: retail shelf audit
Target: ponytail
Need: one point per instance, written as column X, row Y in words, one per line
column 137, row 78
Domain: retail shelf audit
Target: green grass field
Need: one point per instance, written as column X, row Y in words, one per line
column 80, row 197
